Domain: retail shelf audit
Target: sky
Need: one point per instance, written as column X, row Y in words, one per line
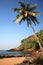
column 11, row 33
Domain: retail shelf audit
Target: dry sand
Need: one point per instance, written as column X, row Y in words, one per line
column 11, row 61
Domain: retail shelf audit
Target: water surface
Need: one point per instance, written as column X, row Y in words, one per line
column 4, row 53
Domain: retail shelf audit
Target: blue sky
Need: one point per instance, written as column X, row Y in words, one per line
column 11, row 33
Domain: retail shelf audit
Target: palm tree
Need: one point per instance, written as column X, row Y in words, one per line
column 27, row 13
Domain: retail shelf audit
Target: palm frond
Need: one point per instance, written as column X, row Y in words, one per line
column 28, row 22
column 16, row 9
column 37, row 13
column 19, row 18
column 33, row 7
column 36, row 20
column 32, row 20
column 20, row 21
column 22, row 4
column 33, row 13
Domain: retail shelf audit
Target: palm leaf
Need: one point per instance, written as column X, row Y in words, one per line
column 33, row 7
column 36, row 20
column 20, row 21
column 28, row 21
column 37, row 13
column 16, row 9
column 32, row 20
column 19, row 18
column 22, row 4
column 33, row 13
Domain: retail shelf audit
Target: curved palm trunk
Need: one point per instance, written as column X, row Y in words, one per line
column 36, row 37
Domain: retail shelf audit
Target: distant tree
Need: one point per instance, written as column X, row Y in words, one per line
column 27, row 13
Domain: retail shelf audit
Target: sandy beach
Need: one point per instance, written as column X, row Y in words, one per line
column 11, row 61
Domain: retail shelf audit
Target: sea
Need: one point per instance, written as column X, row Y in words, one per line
column 4, row 53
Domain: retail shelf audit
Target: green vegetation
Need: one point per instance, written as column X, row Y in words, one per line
column 38, row 60
column 30, row 42
column 40, row 35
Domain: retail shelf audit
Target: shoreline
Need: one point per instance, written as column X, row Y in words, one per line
column 11, row 54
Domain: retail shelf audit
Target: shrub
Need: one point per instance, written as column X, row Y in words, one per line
column 38, row 60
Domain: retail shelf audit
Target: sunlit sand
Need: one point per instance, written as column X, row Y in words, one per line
column 11, row 61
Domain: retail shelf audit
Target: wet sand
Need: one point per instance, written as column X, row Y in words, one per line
column 11, row 61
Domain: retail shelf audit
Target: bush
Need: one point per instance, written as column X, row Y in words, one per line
column 38, row 61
